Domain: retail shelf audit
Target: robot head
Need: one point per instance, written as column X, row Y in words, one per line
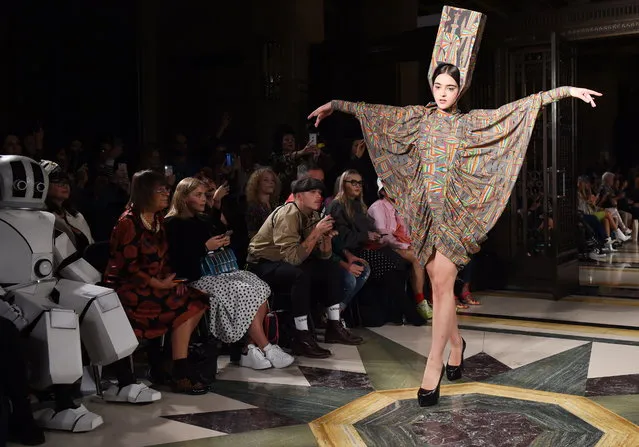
column 23, row 183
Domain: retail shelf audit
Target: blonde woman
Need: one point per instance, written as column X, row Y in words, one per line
column 262, row 195
column 238, row 299
column 358, row 236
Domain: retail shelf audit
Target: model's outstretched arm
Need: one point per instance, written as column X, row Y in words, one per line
column 584, row 94
column 392, row 113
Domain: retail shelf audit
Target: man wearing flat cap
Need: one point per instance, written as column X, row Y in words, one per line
column 292, row 253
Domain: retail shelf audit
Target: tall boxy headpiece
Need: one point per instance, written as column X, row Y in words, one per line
column 457, row 42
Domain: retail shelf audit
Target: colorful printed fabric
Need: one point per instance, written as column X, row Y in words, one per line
column 450, row 174
column 137, row 255
column 457, row 43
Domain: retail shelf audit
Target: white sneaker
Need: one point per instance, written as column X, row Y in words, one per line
column 627, row 231
column 622, row 237
column 136, row 393
column 277, row 357
column 255, row 359
column 608, row 246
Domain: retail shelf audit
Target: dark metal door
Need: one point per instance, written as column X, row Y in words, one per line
column 543, row 211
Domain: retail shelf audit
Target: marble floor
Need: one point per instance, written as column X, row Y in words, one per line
column 537, row 373
column 616, row 274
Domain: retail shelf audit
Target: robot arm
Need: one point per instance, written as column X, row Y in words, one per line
column 69, row 263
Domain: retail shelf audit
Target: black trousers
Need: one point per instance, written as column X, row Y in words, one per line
column 13, row 370
column 313, row 279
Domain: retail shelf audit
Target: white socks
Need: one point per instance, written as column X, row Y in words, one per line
column 301, row 323
column 332, row 313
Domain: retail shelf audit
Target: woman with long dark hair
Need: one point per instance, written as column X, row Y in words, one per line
column 140, row 273
column 450, row 175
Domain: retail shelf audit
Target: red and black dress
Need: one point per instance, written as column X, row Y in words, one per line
column 137, row 255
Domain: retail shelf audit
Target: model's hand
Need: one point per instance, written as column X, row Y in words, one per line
column 585, row 95
column 321, row 112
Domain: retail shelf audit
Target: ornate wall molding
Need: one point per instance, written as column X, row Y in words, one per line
column 592, row 21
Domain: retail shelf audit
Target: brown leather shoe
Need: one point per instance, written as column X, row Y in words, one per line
column 304, row 344
column 337, row 333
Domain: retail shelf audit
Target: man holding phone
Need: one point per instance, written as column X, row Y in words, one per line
column 292, row 252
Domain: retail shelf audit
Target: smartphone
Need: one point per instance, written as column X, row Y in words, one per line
column 168, row 170
column 180, row 280
column 228, row 233
column 228, row 161
column 312, row 139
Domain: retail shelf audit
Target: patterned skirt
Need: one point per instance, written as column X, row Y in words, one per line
column 381, row 261
column 235, row 298
column 152, row 312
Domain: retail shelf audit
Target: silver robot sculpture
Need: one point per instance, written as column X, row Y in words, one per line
column 59, row 309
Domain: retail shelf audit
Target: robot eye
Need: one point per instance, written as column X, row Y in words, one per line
column 20, row 185
column 40, row 187
column 19, row 179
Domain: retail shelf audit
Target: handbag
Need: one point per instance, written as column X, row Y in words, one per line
column 272, row 326
column 219, row 261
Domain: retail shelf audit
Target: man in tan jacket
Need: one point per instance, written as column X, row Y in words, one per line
column 292, row 253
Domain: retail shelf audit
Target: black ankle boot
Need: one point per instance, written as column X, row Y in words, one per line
column 455, row 372
column 428, row 398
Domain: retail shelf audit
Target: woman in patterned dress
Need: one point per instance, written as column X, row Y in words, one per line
column 450, row 175
column 139, row 272
column 238, row 299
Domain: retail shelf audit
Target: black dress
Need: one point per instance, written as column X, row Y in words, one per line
column 235, row 297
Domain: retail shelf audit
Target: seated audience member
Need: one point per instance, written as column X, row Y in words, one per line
column 238, row 299
column 67, row 219
column 285, row 156
column 262, row 195
column 607, row 200
column 465, row 297
column 292, row 252
column 307, row 169
column 355, row 271
column 14, row 387
column 599, row 221
column 357, row 234
column 361, row 162
column 138, row 270
column 390, row 226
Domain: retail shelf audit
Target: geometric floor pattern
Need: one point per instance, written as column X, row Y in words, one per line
column 366, row 396
column 537, row 373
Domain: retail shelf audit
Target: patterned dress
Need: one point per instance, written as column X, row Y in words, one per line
column 450, row 174
column 137, row 255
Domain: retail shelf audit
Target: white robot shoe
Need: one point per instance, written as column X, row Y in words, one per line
column 76, row 420
column 136, row 393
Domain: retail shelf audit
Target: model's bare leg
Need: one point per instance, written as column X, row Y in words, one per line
column 442, row 273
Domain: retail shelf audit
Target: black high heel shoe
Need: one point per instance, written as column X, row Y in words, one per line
column 428, row 398
column 455, row 372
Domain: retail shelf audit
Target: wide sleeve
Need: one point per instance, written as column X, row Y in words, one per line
column 493, row 148
column 391, row 134
column 124, row 264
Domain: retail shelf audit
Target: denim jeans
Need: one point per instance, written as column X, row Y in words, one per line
column 353, row 284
